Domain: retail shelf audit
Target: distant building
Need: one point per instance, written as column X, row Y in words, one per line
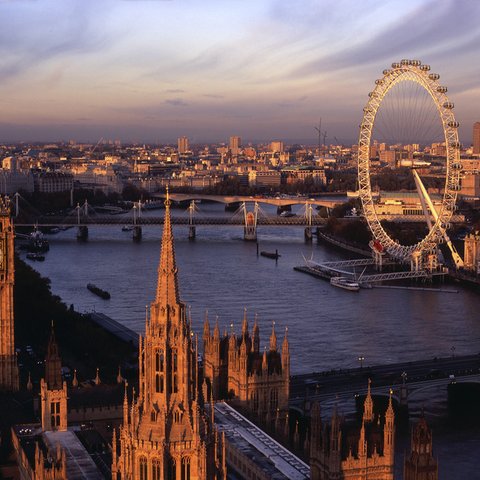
column 472, row 252
column 235, row 145
column 421, row 465
column 183, row 146
column 53, row 182
column 277, row 147
column 351, row 452
column 476, row 138
column 470, row 185
column 268, row 178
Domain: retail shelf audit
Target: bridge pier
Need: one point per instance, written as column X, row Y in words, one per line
column 192, row 232
column 308, row 234
column 82, row 233
column 250, row 226
column 137, row 233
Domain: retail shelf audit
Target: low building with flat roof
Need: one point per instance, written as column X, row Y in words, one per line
column 251, row 453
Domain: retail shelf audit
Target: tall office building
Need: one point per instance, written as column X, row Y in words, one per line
column 476, row 138
column 235, row 144
column 183, row 146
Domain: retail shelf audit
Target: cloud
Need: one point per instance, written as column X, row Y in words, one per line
column 175, row 90
column 212, row 95
column 176, row 102
column 431, row 29
column 32, row 37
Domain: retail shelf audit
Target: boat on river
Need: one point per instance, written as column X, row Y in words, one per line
column 37, row 257
column 275, row 255
column 98, row 291
column 345, row 283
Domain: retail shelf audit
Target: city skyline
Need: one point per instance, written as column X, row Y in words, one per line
column 152, row 71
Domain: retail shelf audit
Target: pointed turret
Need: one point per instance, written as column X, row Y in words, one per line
column 216, row 331
column 273, row 339
column 368, row 405
column 265, row 361
column 245, row 323
column 167, row 286
column 206, row 328
column 29, row 383
column 389, row 431
column 97, row 377
column 256, row 336
column 75, row 379
column 119, row 375
column 53, row 364
column 286, row 353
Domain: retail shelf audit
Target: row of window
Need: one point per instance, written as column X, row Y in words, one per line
column 273, row 400
column 171, row 470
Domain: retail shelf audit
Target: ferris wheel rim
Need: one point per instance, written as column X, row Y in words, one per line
column 409, row 70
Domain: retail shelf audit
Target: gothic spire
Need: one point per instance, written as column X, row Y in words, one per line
column 167, row 286
column 53, row 364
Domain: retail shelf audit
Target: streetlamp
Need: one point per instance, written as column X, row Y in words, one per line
column 361, row 359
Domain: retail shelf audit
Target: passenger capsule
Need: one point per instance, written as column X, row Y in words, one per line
column 372, row 94
column 453, row 124
column 425, row 68
column 442, row 89
column 379, row 81
column 448, row 105
column 457, row 166
column 434, row 76
column 404, row 61
column 367, row 110
column 416, row 63
column 396, row 65
column 387, row 71
column 455, row 145
column 456, row 188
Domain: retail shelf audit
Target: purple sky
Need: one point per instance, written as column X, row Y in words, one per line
column 153, row 70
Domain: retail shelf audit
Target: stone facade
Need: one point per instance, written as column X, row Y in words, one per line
column 8, row 360
column 235, row 369
column 421, row 465
column 338, row 451
column 166, row 432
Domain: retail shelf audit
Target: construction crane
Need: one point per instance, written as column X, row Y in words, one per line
column 95, row 147
column 320, row 135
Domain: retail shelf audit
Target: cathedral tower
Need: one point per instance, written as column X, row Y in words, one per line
column 166, row 432
column 8, row 359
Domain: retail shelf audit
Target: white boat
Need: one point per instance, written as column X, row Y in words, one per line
column 345, row 283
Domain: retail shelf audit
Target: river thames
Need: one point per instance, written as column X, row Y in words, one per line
column 328, row 328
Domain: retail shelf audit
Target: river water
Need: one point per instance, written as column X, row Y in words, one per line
column 327, row 327
column 219, row 272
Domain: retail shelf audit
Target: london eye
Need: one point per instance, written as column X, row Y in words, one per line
column 409, row 107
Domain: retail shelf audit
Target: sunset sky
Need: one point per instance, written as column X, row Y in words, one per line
column 153, row 70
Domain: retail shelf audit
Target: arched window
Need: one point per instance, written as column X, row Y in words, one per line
column 143, row 468
column 159, row 367
column 175, row 383
column 175, row 362
column 185, row 468
column 156, row 469
column 273, row 399
column 254, row 400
